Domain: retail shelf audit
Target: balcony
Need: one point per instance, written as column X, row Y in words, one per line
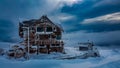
column 44, row 32
column 48, row 42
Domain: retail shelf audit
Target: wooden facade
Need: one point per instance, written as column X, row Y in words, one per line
column 42, row 35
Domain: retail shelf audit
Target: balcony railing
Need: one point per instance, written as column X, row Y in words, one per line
column 47, row 42
column 44, row 32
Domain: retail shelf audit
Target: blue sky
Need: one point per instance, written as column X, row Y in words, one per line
column 101, row 18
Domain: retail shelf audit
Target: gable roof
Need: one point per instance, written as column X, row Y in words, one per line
column 44, row 17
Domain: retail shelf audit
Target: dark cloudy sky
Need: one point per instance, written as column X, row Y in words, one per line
column 96, row 20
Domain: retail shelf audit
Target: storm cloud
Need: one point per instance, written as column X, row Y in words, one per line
column 91, row 16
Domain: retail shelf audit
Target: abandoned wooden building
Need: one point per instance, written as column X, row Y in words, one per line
column 41, row 35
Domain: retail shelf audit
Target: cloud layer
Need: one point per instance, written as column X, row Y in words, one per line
column 90, row 16
column 113, row 18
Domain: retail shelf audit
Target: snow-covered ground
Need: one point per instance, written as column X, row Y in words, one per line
column 110, row 58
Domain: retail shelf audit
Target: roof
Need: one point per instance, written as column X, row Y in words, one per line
column 32, row 21
column 86, row 44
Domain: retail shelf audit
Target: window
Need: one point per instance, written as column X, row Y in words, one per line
column 54, row 29
column 58, row 37
column 49, row 29
column 40, row 29
column 83, row 48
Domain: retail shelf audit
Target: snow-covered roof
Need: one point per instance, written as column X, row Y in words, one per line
column 85, row 44
column 33, row 21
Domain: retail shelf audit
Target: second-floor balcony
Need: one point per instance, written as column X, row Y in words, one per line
column 44, row 32
column 47, row 42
